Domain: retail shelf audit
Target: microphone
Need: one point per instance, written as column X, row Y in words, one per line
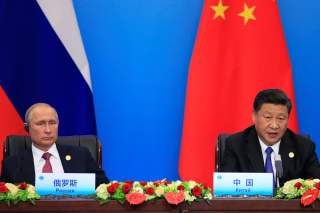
column 278, row 165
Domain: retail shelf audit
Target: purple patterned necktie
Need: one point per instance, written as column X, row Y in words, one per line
column 47, row 168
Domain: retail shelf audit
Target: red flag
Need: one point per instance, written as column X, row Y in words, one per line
column 240, row 49
column 10, row 121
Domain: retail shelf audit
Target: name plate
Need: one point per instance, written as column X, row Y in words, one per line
column 65, row 183
column 230, row 184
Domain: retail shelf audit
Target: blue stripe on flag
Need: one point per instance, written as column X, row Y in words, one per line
column 35, row 67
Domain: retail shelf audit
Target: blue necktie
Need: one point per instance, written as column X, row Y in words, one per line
column 268, row 165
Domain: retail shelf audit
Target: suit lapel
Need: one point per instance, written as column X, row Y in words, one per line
column 287, row 152
column 63, row 153
column 27, row 172
column 254, row 151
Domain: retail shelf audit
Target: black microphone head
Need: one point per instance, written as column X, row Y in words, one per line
column 278, row 165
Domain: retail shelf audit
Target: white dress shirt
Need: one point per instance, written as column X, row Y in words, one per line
column 54, row 159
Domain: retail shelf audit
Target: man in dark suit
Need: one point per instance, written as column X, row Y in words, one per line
column 247, row 151
column 45, row 155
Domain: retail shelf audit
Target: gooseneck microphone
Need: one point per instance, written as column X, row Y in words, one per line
column 279, row 168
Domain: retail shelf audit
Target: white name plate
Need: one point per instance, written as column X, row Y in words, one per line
column 230, row 184
column 65, row 183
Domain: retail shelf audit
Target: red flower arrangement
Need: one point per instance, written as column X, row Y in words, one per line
column 11, row 193
column 137, row 192
column 307, row 190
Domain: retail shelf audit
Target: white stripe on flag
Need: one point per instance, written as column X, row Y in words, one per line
column 61, row 16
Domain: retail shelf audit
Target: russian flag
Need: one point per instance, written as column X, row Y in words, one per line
column 42, row 59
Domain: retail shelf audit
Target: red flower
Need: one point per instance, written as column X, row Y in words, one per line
column 196, row 191
column 174, row 197
column 149, row 190
column 298, row 185
column 166, row 182
column 135, row 198
column 3, row 188
column 309, row 197
column 126, row 188
column 2, row 183
column 23, row 185
column 116, row 184
column 157, row 183
column 129, row 182
column 113, row 188
column 143, row 183
column 180, row 188
column 317, row 185
column 205, row 186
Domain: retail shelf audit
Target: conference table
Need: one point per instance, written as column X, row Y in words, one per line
column 68, row 205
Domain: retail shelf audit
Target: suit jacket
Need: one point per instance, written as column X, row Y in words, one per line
column 20, row 168
column 243, row 154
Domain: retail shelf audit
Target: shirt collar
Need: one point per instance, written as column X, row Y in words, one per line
column 37, row 153
column 275, row 146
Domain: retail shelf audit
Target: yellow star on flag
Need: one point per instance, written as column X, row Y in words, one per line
column 219, row 10
column 247, row 13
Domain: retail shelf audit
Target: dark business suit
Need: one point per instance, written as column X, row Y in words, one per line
column 20, row 168
column 243, row 154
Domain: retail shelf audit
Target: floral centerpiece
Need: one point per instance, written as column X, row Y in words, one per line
column 307, row 190
column 138, row 192
column 11, row 193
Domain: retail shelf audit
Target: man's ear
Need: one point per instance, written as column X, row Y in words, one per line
column 26, row 127
column 254, row 117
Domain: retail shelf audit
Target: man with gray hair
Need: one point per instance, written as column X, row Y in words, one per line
column 45, row 155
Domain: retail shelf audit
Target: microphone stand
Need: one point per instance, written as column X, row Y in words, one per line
column 279, row 171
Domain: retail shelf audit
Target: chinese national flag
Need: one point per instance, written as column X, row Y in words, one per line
column 240, row 49
column 10, row 122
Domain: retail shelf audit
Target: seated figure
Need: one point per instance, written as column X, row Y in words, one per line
column 255, row 148
column 45, row 155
